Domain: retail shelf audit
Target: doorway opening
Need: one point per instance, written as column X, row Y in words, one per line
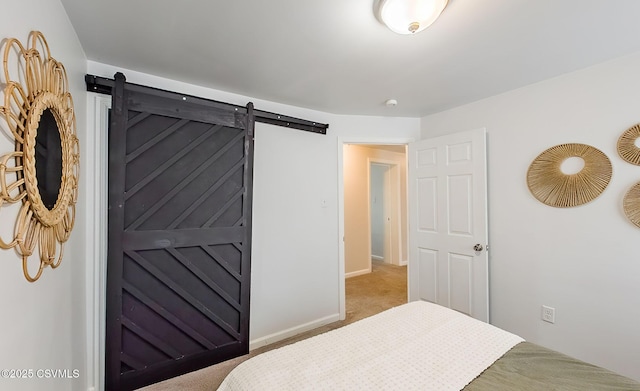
column 385, row 217
column 374, row 218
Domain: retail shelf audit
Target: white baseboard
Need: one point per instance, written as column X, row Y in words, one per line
column 279, row 336
column 404, row 263
column 357, row 273
column 377, row 257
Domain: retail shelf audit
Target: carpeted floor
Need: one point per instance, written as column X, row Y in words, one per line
column 385, row 287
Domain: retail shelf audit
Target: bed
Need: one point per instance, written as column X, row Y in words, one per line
column 419, row 346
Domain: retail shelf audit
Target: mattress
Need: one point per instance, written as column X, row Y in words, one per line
column 416, row 346
column 419, row 346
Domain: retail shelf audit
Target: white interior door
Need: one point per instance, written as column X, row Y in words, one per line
column 447, row 219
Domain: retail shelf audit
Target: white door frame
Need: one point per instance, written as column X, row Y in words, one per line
column 96, row 194
column 394, row 185
column 341, row 143
column 382, row 207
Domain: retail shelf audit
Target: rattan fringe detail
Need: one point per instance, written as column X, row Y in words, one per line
column 626, row 145
column 551, row 186
column 631, row 204
column 41, row 84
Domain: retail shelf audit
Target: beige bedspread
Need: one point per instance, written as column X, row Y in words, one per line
column 416, row 346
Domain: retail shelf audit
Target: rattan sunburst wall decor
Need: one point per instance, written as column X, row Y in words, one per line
column 42, row 172
column 631, row 204
column 553, row 187
column 627, row 148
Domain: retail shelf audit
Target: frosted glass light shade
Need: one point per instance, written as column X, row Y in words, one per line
column 409, row 16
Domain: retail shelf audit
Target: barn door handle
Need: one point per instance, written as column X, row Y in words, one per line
column 478, row 247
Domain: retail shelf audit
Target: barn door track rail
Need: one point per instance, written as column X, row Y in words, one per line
column 105, row 85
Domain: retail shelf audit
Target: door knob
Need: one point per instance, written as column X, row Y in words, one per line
column 478, row 247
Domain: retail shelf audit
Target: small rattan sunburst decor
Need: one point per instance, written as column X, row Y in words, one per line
column 631, row 204
column 627, row 145
column 42, row 172
column 553, row 187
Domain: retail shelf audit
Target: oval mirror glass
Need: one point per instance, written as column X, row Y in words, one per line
column 48, row 159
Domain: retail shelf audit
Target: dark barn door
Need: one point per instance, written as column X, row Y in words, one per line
column 180, row 185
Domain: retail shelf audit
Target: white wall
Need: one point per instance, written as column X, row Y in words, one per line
column 584, row 261
column 43, row 323
column 356, row 213
column 296, row 271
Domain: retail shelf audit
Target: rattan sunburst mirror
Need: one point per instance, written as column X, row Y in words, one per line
column 631, row 204
column 550, row 185
column 42, row 172
column 629, row 145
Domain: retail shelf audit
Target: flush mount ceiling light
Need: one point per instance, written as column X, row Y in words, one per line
column 409, row 16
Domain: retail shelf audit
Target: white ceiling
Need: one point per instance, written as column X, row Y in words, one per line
column 334, row 56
